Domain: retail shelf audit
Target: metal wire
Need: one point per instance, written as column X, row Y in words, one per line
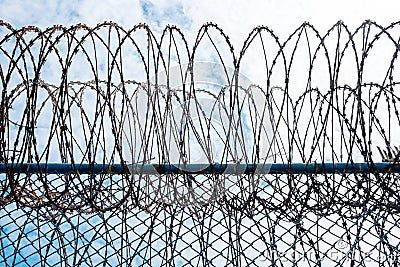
column 107, row 96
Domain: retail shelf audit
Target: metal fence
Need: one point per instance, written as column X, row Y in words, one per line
column 119, row 148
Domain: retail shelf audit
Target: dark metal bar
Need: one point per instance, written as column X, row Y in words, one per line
column 273, row 168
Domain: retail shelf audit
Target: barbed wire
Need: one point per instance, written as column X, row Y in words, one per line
column 107, row 95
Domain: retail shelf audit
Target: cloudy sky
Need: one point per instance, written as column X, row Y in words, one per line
column 236, row 17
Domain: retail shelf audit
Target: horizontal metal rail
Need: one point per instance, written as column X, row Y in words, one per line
column 270, row 168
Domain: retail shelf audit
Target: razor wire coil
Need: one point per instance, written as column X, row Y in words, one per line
column 107, row 95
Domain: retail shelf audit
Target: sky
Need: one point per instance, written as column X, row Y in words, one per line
column 235, row 17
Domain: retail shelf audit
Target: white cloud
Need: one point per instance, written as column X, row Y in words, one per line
column 236, row 17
